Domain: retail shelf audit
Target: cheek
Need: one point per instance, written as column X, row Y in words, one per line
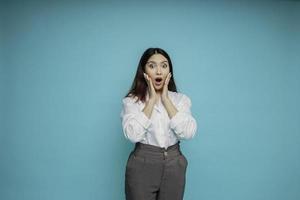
column 148, row 70
column 150, row 73
column 167, row 72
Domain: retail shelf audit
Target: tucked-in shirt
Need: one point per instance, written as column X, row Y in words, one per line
column 158, row 130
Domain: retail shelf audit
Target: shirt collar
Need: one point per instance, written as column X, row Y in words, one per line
column 157, row 107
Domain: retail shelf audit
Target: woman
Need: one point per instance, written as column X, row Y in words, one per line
column 156, row 117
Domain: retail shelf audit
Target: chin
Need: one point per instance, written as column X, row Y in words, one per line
column 159, row 89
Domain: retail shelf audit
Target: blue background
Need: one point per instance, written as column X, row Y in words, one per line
column 65, row 67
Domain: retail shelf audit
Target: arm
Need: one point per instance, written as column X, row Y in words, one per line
column 181, row 120
column 171, row 109
column 149, row 108
column 135, row 122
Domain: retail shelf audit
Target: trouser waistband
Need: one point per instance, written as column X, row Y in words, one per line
column 149, row 147
column 146, row 150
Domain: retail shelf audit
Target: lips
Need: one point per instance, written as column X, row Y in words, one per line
column 158, row 80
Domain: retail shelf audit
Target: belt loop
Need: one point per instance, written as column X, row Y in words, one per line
column 137, row 147
column 165, row 154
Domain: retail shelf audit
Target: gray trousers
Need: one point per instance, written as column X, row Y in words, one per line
column 153, row 173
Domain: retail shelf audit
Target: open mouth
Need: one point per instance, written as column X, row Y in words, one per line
column 158, row 81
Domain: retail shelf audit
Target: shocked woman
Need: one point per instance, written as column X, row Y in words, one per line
column 156, row 117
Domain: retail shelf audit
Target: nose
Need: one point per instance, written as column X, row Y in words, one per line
column 158, row 70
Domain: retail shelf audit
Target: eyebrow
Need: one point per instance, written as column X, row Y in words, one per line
column 155, row 62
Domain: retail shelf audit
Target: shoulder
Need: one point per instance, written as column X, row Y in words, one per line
column 179, row 97
column 129, row 100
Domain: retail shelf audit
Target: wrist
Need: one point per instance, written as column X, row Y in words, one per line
column 165, row 100
column 151, row 101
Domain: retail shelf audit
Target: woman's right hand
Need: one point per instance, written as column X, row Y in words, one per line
column 152, row 93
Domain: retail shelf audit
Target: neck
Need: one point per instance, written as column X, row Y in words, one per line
column 158, row 92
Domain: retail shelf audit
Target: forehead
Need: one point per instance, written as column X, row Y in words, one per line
column 158, row 58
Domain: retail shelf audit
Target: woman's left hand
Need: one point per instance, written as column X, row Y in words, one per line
column 164, row 95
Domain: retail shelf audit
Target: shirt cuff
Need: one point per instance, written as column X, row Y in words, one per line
column 143, row 120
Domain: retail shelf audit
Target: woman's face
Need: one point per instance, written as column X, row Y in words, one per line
column 157, row 68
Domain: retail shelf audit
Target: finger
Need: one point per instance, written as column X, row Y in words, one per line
column 152, row 86
column 168, row 79
column 146, row 76
column 149, row 79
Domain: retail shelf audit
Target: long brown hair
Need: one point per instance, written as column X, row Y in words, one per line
column 139, row 85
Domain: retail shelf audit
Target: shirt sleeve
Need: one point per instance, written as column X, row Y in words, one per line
column 135, row 123
column 183, row 123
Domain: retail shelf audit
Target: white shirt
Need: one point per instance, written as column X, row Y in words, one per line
column 159, row 130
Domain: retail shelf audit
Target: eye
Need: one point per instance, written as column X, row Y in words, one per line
column 151, row 65
column 165, row 65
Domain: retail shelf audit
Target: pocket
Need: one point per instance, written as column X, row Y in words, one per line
column 135, row 161
column 138, row 158
column 185, row 159
column 129, row 159
column 182, row 159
